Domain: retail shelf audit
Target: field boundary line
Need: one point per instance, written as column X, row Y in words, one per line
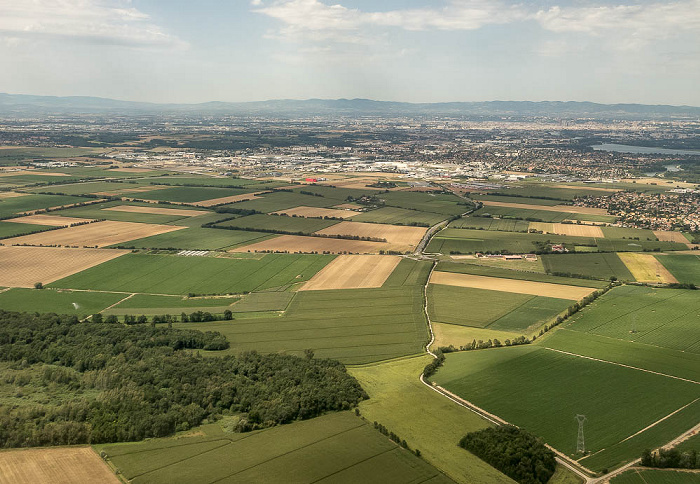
column 622, row 365
column 355, row 464
column 227, row 442
column 660, row 420
column 119, row 302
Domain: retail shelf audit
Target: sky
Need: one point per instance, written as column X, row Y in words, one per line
column 186, row 51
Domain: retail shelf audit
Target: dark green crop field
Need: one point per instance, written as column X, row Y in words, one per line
column 280, row 223
column 601, row 266
column 61, row 302
column 684, row 267
column 198, row 238
column 11, row 206
column 445, row 204
column 190, row 194
column 272, row 202
column 13, row 229
column 163, row 274
column 656, row 476
column 399, row 216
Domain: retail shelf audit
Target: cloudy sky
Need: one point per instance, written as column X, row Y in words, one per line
column 645, row 51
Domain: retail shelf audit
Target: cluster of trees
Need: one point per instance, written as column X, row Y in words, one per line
column 671, row 458
column 115, row 383
column 516, row 453
column 434, row 365
column 480, row 345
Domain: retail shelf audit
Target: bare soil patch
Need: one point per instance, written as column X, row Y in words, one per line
column 157, row 210
column 231, row 199
column 303, row 211
column 559, row 291
column 32, row 172
column 670, row 236
column 53, row 220
column 4, row 195
column 550, row 208
column 353, row 272
column 25, row 266
column 308, row 245
column 646, row 268
column 98, row 234
column 567, row 229
column 400, row 238
column 57, row 465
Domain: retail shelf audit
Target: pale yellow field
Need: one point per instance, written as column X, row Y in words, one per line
column 567, row 229
column 317, row 212
column 646, row 268
column 4, row 195
column 669, row 236
column 98, row 234
column 231, row 199
column 353, row 272
column 298, row 243
column 559, row 291
column 32, row 172
column 24, row 266
column 456, row 335
column 399, row 237
column 157, row 210
column 555, row 208
column 55, row 465
column 595, row 189
column 132, row 170
column 53, row 220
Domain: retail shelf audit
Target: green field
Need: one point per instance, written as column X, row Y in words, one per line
column 11, row 156
column 353, row 325
column 272, row 202
column 627, row 245
column 11, row 206
column 97, row 211
column 628, row 233
column 601, row 266
column 488, row 223
column 92, row 187
column 13, row 229
column 542, row 215
column 189, row 194
column 445, row 204
column 168, row 274
column 198, row 238
column 481, row 308
column 467, row 241
column 61, row 302
column 338, row 448
column 409, row 272
column 656, row 476
column 427, row 420
column 279, row 223
column 685, row 268
column 542, row 391
column 522, row 200
column 470, row 268
column 399, row 216
column 547, row 190
column 207, row 181
column 175, row 302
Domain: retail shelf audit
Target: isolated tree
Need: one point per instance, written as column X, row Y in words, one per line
column 228, row 315
column 97, row 318
column 38, row 285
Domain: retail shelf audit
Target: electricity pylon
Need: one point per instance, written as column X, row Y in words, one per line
column 580, row 443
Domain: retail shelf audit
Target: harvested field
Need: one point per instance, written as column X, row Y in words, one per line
column 66, row 465
column 231, row 199
column 353, row 272
column 552, row 208
column 317, row 212
column 157, row 210
column 24, row 266
column 646, row 268
column 53, row 220
column 98, row 234
column 31, row 172
column 559, row 291
column 401, row 238
column 4, row 195
column 574, row 230
column 298, row 243
column 587, row 188
column 668, row 236
column 132, row 170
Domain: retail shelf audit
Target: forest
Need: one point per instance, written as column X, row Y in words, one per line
column 118, row 383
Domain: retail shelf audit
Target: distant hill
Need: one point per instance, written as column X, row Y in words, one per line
column 20, row 104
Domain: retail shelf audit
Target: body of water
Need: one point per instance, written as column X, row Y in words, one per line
column 644, row 150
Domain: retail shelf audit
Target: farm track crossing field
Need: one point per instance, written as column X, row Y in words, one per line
column 399, row 216
column 98, row 234
column 167, row 274
column 316, row 212
column 574, row 230
column 656, row 476
column 353, row 272
column 157, row 210
column 175, row 302
column 279, row 223
column 81, row 303
column 24, row 266
column 55, row 465
column 318, row 245
column 646, row 268
column 335, row 448
column 685, row 268
column 502, row 380
column 662, row 317
column 198, row 238
column 601, row 266
column 52, row 220
column 546, row 289
column 354, row 326
column 401, row 238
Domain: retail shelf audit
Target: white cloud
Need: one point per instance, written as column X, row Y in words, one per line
column 94, row 21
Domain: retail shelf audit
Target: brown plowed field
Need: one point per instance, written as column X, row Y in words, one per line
column 559, row 291
column 231, row 199
column 400, row 238
column 67, row 465
column 567, row 229
column 298, row 243
column 669, row 236
column 98, row 234
column 157, row 210
column 549, row 208
column 53, row 220
column 317, row 212
column 646, row 268
column 353, row 272
column 24, row 266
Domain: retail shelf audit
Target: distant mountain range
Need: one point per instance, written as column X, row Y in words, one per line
column 20, row 104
